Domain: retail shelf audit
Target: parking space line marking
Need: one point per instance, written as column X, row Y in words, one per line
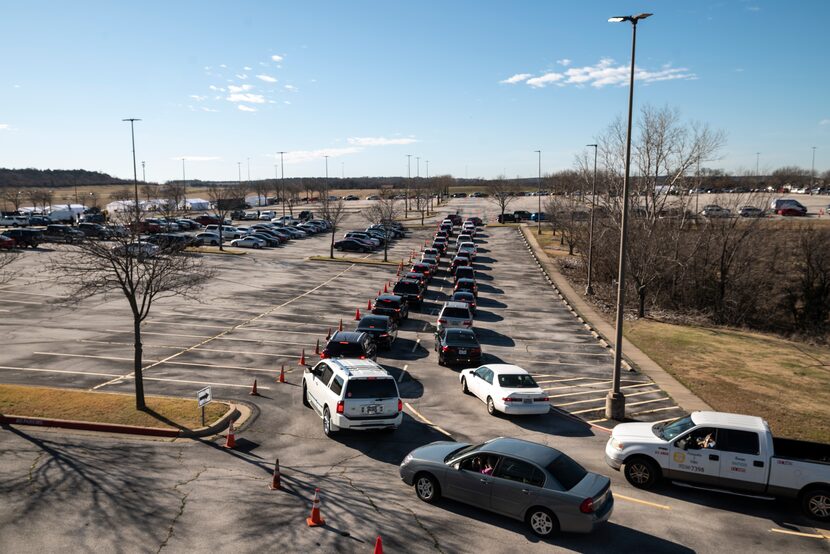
column 658, row 410
column 644, row 502
column 233, row 328
column 537, row 362
column 425, row 420
column 647, row 401
column 603, row 390
column 800, row 534
column 69, row 371
column 117, row 359
column 415, row 346
column 599, row 399
column 588, row 411
column 24, row 302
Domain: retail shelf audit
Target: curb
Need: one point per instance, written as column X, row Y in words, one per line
column 360, row 261
column 220, row 424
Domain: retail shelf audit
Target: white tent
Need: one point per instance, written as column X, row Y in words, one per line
column 120, row 206
column 256, row 200
column 197, row 204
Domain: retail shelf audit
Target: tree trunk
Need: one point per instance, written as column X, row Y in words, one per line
column 641, row 302
column 139, row 378
column 385, row 245
column 331, row 247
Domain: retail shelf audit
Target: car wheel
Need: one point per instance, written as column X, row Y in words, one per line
column 491, row 407
column 327, row 430
column 257, row 246
column 214, row 243
column 306, row 403
column 427, row 488
column 642, row 473
column 542, row 522
column 464, row 388
column 816, row 504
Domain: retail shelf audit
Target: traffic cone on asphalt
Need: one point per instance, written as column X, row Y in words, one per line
column 357, row 314
column 380, row 292
column 378, row 545
column 317, row 348
column 275, row 479
column 315, row 520
column 282, row 374
column 230, row 440
column 302, row 357
column 328, row 335
column 340, row 328
column 369, row 306
column 385, row 288
column 253, row 390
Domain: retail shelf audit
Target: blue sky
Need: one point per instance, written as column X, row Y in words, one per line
column 367, row 82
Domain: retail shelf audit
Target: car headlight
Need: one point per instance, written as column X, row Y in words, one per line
column 616, row 444
column 407, row 459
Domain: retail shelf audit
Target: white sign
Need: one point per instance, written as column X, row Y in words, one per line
column 204, row 396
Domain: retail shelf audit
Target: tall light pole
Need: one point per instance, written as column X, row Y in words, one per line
column 589, row 288
column 615, row 401
column 539, row 194
column 132, row 121
column 143, row 172
column 406, row 189
column 282, row 181
column 417, row 166
column 757, row 163
column 327, row 178
column 184, row 186
column 239, row 172
column 249, row 171
column 812, row 171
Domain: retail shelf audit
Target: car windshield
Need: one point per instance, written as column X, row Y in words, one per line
column 517, row 381
column 461, row 451
column 566, row 471
column 667, row 431
column 336, row 349
column 371, row 388
column 462, row 337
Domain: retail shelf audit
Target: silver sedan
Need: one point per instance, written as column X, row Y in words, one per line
column 519, row 479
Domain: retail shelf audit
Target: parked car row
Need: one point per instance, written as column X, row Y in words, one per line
column 371, row 238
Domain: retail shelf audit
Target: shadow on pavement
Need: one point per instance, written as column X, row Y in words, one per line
column 493, row 338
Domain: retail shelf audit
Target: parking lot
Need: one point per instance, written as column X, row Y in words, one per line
column 259, row 314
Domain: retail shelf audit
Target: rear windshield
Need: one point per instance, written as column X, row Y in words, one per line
column 371, row 388
column 517, row 381
column 465, row 270
column 566, row 471
column 462, row 338
column 461, row 313
column 349, row 350
column 463, row 296
column 372, row 323
column 388, row 303
column 407, row 288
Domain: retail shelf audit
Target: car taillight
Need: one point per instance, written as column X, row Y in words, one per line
column 542, row 399
column 324, row 354
column 400, row 405
column 475, row 350
column 397, row 309
column 587, row 506
column 508, row 399
column 340, row 407
column 384, row 334
column 362, row 357
column 442, row 320
column 445, row 349
column 468, row 323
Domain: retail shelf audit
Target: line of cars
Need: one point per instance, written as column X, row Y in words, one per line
column 370, row 239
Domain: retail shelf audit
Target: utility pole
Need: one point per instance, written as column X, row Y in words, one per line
column 812, row 171
column 184, row 186
column 589, row 289
column 132, row 121
column 143, row 172
column 406, row 189
column 239, row 172
column 282, row 181
column 539, row 194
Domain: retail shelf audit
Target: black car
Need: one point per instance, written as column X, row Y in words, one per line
column 63, row 233
column 464, row 272
column 25, row 237
column 459, row 261
column 468, row 285
column 521, row 215
column 351, row 245
column 507, row 218
column 305, row 215
column 170, row 241
column 410, row 290
column 350, row 344
column 381, row 328
column 457, row 347
column 422, row 268
column 270, row 240
column 93, row 218
column 95, row 230
column 391, row 305
column 466, row 297
column 440, row 245
column 39, row 220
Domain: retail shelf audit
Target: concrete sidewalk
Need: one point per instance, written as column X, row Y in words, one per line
column 633, row 357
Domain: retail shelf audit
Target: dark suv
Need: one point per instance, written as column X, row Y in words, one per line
column 381, row 328
column 94, row 230
column 457, row 347
column 465, row 272
column 25, row 237
column 391, row 305
column 410, row 290
column 63, row 233
column 521, row 215
column 350, row 344
column 507, row 218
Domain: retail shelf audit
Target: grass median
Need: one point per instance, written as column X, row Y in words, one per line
column 102, row 407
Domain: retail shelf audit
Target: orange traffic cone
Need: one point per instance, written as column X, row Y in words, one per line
column 385, row 288
column 253, row 390
column 282, row 374
column 328, row 335
column 340, row 327
column 275, row 479
column 315, row 520
column 380, row 292
column 369, row 306
column 317, row 347
column 357, row 314
column 230, row 441
column 302, row 357
column 378, row 546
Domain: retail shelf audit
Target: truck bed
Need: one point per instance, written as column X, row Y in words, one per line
column 802, row 450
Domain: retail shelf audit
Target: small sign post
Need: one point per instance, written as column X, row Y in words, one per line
column 203, row 397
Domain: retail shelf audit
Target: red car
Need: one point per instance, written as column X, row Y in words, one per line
column 6, row 242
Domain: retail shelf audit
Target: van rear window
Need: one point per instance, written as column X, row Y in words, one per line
column 371, row 388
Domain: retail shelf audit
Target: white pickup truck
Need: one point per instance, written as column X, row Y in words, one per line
column 726, row 451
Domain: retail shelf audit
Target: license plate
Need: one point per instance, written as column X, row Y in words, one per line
column 372, row 409
column 462, row 351
column 527, row 401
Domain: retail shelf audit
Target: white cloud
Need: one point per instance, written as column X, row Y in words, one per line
column 246, row 97
column 286, row 102
column 247, row 68
column 218, row 89
column 266, row 78
column 206, row 109
column 239, row 88
column 5, row 127
column 197, row 158
column 198, row 98
column 300, row 156
column 753, row 8
column 245, row 108
column 290, row 88
column 223, row 66
column 517, row 78
column 241, row 76
column 277, row 58
column 604, row 73
column 822, row 122
column 564, row 62
column 378, row 141
column 207, row 68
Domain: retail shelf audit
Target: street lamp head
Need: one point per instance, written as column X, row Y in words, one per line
column 131, row 119
column 632, row 18
column 640, row 16
column 618, row 19
column 591, row 145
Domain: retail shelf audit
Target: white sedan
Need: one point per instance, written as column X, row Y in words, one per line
column 505, row 388
column 249, row 242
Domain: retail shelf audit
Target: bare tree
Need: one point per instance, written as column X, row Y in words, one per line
column 292, row 197
column 14, row 196
column 224, row 198
column 501, row 193
column 261, row 188
column 173, row 192
column 333, row 211
column 419, row 193
column 7, row 258
column 148, row 190
column 807, row 296
column 383, row 212
column 134, row 269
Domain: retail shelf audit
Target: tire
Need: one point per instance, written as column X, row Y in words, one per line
column 427, row 488
column 464, row 388
column 542, row 522
column 327, row 430
column 642, row 472
column 491, row 407
column 815, row 503
column 306, row 403
column 440, row 360
column 257, row 247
